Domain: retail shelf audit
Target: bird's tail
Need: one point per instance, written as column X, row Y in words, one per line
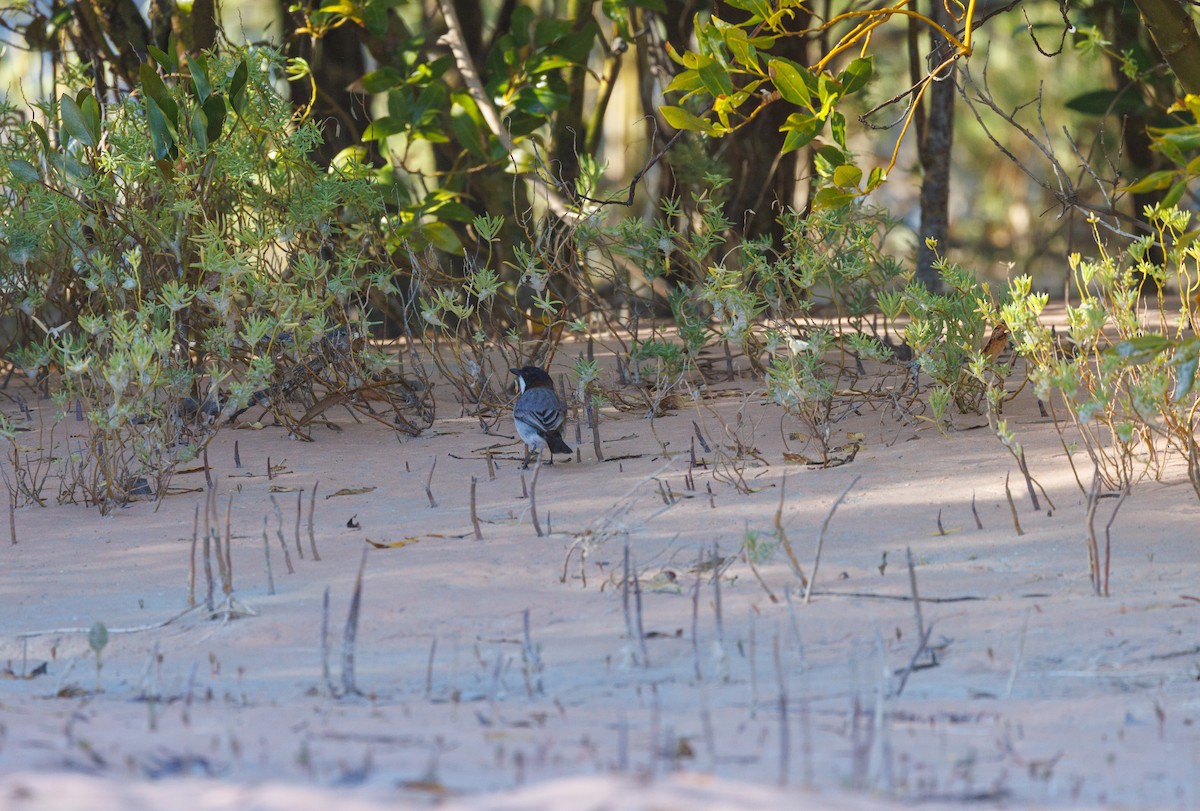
column 556, row 444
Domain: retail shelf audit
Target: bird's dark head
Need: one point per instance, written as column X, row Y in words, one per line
column 532, row 377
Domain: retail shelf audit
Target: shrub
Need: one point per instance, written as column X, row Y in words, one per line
column 1122, row 382
column 175, row 258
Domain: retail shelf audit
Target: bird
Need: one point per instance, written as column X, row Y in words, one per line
column 539, row 413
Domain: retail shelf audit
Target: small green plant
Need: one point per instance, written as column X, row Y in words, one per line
column 174, row 258
column 948, row 334
column 1121, row 382
column 98, row 641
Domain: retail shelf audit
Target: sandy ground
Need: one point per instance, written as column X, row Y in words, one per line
column 487, row 681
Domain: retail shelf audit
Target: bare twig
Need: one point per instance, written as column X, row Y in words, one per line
column 629, row 629
column 696, row 619
column 326, row 676
column 429, row 669
column 349, row 687
column 1108, row 536
column 267, row 556
column 1016, row 666
column 312, row 508
column 975, row 512
column 192, row 565
column 637, row 597
column 821, row 538
column 429, row 483
column 228, row 581
column 537, row 527
column 782, row 535
column 287, row 556
column 1012, row 506
column 474, row 514
column 916, row 598
column 1093, row 500
column 784, row 728
column 299, row 510
column 594, row 419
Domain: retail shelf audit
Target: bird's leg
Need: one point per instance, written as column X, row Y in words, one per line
column 527, row 452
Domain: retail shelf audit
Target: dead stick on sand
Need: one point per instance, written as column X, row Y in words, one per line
column 594, row 418
column 533, row 498
column 821, row 538
column 916, row 598
column 429, row 484
column 348, row 685
column 329, row 688
column 1012, row 674
column 299, row 509
column 192, row 566
column 1012, row 506
column 228, row 556
column 267, row 557
column 783, row 538
column 287, row 556
column 312, row 508
column 474, row 514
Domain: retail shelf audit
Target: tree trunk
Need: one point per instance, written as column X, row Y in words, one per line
column 934, row 142
column 336, row 61
column 764, row 180
column 1174, row 33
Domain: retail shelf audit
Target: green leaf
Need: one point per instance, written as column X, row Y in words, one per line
column 761, row 9
column 40, row 131
column 198, row 124
column 155, row 90
column 831, row 198
column 681, row 119
column 790, row 82
column 382, row 127
column 576, row 45
column 856, row 75
column 1174, row 194
column 215, row 111
column 1141, row 349
column 739, row 45
column 801, row 129
column 466, row 124
column 75, row 121
column 237, row 87
column 383, row 79
column 375, row 17
column 847, row 175
column 24, row 170
column 686, row 82
column 161, row 57
column 1186, row 359
column 837, row 126
column 1105, row 102
column 716, row 79
column 1152, row 182
column 440, row 236
column 91, row 113
column 162, row 134
column 198, row 67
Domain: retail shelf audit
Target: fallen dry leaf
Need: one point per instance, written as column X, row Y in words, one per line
column 350, row 491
